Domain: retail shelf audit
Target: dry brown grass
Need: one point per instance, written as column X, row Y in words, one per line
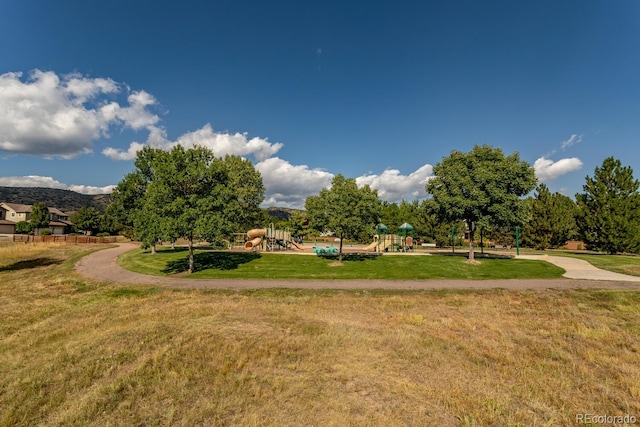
column 74, row 352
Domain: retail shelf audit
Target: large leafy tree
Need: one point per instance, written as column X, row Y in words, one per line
column 248, row 192
column 127, row 200
column 39, row 216
column 609, row 209
column 345, row 209
column 552, row 220
column 189, row 192
column 482, row 188
column 186, row 193
column 87, row 219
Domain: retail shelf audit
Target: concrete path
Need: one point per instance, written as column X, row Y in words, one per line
column 580, row 269
column 102, row 265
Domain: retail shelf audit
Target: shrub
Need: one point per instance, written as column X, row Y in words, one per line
column 24, row 227
column 45, row 232
column 103, row 234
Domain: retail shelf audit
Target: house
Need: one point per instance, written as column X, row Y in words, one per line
column 12, row 213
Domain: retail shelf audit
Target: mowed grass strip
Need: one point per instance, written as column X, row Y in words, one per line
column 78, row 352
column 238, row 265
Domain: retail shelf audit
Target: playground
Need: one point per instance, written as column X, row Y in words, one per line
column 268, row 239
column 272, row 239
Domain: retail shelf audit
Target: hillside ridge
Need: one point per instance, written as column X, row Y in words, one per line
column 65, row 200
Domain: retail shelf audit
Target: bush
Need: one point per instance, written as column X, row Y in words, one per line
column 24, row 227
column 103, row 235
column 45, row 232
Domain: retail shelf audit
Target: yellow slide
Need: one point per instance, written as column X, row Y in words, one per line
column 256, row 236
column 297, row 246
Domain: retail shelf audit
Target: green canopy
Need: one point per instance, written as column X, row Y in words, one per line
column 381, row 227
column 406, row 227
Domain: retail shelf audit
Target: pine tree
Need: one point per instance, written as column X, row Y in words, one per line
column 609, row 209
column 552, row 220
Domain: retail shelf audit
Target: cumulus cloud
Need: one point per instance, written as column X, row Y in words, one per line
column 49, row 182
column 60, row 116
column 548, row 170
column 289, row 185
column 221, row 143
column 392, row 186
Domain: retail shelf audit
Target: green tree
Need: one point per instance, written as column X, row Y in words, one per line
column 87, row 219
column 482, row 188
column 552, row 220
column 127, row 200
column 390, row 215
column 24, row 227
column 39, row 216
column 189, row 193
column 344, row 209
column 190, row 190
column 246, row 182
column 609, row 209
column 298, row 224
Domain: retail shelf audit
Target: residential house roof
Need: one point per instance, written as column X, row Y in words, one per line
column 17, row 207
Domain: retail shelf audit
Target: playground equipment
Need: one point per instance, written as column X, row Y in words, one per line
column 326, row 250
column 384, row 242
column 271, row 239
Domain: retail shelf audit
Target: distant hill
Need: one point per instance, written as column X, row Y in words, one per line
column 68, row 201
column 282, row 214
column 65, row 200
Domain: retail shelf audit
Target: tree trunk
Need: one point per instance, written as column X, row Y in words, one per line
column 471, row 235
column 191, row 262
column 340, row 250
column 153, row 249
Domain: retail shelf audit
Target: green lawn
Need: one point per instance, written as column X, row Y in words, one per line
column 250, row 265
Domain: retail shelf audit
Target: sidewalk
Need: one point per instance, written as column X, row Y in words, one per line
column 580, row 269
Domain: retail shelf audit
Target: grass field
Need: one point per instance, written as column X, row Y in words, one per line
column 290, row 266
column 80, row 353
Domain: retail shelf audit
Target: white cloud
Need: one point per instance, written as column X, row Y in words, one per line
column 130, row 154
column 220, row 143
column 60, row 116
column 289, row 185
column 548, row 170
column 88, row 189
column 573, row 140
column 394, row 187
column 49, row 182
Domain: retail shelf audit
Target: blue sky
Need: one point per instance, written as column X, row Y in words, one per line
column 379, row 91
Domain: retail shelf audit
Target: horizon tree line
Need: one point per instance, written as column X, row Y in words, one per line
column 192, row 194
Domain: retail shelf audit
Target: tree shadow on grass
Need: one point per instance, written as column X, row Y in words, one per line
column 30, row 263
column 351, row 256
column 211, row 261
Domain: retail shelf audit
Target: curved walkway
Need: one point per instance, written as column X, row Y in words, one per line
column 101, row 265
column 580, row 269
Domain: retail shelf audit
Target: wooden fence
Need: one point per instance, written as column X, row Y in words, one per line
column 63, row 238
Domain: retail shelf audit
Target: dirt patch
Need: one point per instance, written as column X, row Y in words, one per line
column 336, row 264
